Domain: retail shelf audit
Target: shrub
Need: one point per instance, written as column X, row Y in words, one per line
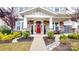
column 64, row 39
column 1, row 35
column 26, row 34
column 78, row 36
column 50, row 34
column 70, row 36
column 17, row 34
column 4, row 29
column 75, row 46
column 7, row 37
column 73, row 36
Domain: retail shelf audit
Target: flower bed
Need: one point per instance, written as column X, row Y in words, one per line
column 62, row 47
column 22, row 36
column 22, row 39
column 25, row 37
column 48, row 41
column 50, row 38
column 7, row 38
column 68, row 43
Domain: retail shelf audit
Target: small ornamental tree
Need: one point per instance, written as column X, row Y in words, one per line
column 8, row 15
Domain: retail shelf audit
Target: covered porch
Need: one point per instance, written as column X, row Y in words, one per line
column 40, row 20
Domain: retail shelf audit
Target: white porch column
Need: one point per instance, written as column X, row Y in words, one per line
column 42, row 29
column 25, row 23
column 34, row 27
column 50, row 24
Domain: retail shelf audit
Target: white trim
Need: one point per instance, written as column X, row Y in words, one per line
column 25, row 22
column 49, row 10
column 26, row 10
column 37, row 16
column 37, row 8
column 50, row 23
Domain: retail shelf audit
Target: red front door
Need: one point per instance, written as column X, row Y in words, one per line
column 38, row 28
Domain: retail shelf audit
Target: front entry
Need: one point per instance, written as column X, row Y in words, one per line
column 38, row 27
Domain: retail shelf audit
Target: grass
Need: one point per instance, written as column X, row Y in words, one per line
column 20, row 46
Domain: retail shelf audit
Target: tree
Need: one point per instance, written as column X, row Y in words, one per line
column 74, row 17
column 9, row 16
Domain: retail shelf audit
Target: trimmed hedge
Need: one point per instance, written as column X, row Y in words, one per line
column 73, row 36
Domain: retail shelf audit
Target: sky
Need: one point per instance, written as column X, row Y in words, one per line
column 39, row 3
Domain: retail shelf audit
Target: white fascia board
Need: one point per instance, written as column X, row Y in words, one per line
column 40, row 8
column 26, row 10
column 36, row 16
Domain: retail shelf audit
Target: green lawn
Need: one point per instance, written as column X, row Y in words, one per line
column 20, row 46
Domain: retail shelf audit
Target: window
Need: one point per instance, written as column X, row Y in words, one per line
column 20, row 9
column 19, row 25
column 50, row 8
column 56, row 26
column 62, row 9
column 56, row 9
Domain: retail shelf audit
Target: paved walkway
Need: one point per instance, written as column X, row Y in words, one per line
column 38, row 43
column 55, row 44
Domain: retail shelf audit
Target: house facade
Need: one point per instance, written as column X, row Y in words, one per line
column 41, row 20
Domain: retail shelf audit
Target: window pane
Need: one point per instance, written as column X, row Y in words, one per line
column 18, row 27
column 18, row 23
column 20, row 9
column 57, row 9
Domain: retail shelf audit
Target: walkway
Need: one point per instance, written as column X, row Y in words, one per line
column 55, row 44
column 38, row 43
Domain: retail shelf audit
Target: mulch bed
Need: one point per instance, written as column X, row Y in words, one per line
column 65, row 47
column 22, row 39
column 48, row 41
column 62, row 47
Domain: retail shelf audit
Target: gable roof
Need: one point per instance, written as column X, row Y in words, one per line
column 46, row 11
column 39, row 9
